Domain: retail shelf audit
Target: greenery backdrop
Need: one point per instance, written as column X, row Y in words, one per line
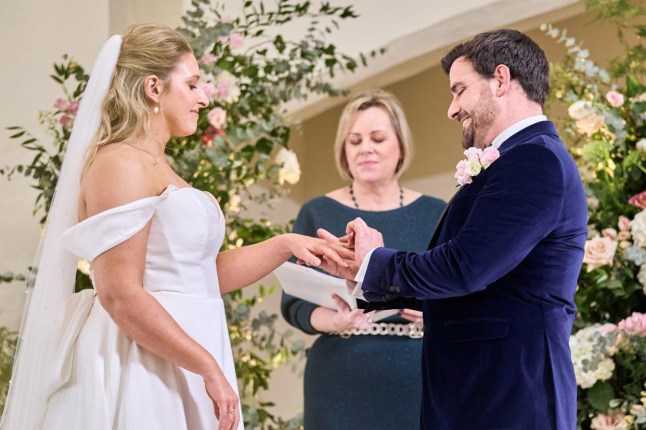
column 251, row 70
column 239, row 153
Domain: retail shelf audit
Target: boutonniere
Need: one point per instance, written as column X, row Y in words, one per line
column 477, row 161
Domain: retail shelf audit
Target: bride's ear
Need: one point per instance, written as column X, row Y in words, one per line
column 153, row 87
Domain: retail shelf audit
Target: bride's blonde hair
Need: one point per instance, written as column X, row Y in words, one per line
column 146, row 49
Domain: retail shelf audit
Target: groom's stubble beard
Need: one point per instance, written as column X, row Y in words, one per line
column 482, row 116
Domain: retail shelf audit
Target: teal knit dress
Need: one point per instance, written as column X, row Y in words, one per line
column 369, row 382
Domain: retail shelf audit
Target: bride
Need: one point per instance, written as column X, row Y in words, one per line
column 148, row 347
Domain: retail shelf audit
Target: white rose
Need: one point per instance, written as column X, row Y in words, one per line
column 590, row 124
column 290, row 171
column 473, row 167
column 641, row 145
column 579, row 110
column 83, row 266
column 599, row 251
column 638, row 229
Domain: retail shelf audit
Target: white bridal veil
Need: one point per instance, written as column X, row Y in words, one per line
column 54, row 272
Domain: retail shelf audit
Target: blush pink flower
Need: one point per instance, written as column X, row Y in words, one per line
column 599, row 251
column 73, row 108
column 208, row 58
column 615, row 99
column 217, row 117
column 209, row 89
column 65, row 121
column 638, row 200
column 461, row 173
column 472, row 153
column 476, row 161
column 634, row 325
column 623, row 223
column 236, row 40
column 607, row 328
column 607, row 422
column 610, row 233
column 489, row 155
column 60, row 104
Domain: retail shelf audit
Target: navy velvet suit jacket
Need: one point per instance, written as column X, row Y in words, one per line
column 497, row 290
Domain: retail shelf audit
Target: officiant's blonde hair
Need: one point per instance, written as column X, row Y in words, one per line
column 362, row 101
column 146, row 49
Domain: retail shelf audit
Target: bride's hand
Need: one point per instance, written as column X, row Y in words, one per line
column 313, row 251
column 225, row 400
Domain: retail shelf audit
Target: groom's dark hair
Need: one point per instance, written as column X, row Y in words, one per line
column 524, row 58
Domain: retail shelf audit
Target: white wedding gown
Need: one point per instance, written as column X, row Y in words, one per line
column 104, row 380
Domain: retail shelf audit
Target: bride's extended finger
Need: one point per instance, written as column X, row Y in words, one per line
column 327, row 236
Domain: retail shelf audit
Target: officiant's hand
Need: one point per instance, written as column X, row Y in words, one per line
column 331, row 321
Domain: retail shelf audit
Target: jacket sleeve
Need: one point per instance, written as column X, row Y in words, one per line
column 517, row 207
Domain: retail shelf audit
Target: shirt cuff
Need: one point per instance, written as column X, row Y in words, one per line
column 361, row 274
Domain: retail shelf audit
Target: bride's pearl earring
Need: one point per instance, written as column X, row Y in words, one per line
column 156, row 109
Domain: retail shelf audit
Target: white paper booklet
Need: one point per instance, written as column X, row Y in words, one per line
column 311, row 285
column 316, row 287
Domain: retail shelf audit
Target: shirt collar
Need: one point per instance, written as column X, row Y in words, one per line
column 515, row 128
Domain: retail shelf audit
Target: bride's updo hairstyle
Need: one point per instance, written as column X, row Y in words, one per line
column 146, row 49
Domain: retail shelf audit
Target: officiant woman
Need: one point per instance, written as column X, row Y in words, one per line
column 372, row 150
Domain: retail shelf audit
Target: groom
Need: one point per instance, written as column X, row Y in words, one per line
column 498, row 280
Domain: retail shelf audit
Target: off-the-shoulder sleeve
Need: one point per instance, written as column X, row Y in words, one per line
column 93, row 236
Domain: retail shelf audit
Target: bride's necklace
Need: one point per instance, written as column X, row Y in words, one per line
column 154, row 157
column 356, row 205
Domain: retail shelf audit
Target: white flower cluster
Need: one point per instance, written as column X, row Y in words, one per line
column 592, row 350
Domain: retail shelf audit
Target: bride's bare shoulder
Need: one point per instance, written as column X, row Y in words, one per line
column 114, row 177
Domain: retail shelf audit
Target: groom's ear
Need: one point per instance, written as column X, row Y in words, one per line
column 502, row 78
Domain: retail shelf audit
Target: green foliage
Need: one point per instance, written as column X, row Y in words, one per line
column 7, row 350
column 239, row 152
column 606, row 134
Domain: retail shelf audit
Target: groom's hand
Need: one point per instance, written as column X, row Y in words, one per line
column 342, row 249
column 364, row 238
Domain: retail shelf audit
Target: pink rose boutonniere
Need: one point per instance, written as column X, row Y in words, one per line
column 477, row 160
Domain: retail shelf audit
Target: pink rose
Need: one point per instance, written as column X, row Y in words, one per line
column 472, row 153
column 236, row 40
column 489, row 155
column 623, row 223
column 607, row 329
column 217, row 117
column 638, row 200
column 610, row 233
column 461, row 173
column 60, row 104
column 209, row 90
column 634, row 325
column 623, row 235
column 208, row 58
column 65, row 121
column 615, row 99
column 606, row 422
column 599, row 251
column 73, row 108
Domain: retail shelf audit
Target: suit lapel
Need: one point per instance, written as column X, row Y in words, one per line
column 436, row 232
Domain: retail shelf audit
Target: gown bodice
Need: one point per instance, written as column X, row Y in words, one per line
column 187, row 230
